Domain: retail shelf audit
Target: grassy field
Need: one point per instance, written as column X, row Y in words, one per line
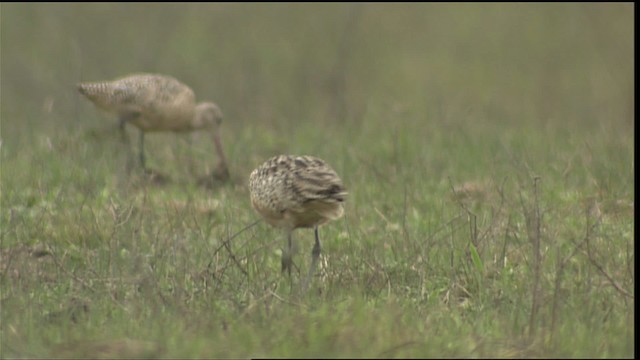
column 487, row 150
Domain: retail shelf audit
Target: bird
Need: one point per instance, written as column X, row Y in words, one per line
column 291, row 192
column 155, row 103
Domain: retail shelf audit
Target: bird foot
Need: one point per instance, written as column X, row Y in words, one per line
column 156, row 178
column 221, row 174
column 217, row 177
column 286, row 262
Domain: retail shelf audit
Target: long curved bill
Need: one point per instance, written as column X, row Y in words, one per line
column 222, row 171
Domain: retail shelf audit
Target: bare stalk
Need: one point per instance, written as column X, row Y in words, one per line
column 533, row 221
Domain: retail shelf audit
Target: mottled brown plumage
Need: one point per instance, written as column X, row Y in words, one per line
column 153, row 102
column 292, row 192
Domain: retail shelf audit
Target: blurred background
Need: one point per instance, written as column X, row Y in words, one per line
column 275, row 67
column 482, row 146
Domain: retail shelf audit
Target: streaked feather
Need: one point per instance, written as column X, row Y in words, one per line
column 297, row 191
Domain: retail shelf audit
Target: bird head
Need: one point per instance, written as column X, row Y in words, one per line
column 208, row 115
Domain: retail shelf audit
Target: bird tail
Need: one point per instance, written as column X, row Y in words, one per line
column 99, row 93
column 91, row 89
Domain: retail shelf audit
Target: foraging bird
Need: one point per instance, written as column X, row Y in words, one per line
column 292, row 192
column 153, row 102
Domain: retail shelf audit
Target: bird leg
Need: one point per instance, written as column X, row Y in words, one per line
column 122, row 122
column 123, row 132
column 142, row 151
column 287, row 254
column 124, row 119
column 190, row 164
column 315, row 254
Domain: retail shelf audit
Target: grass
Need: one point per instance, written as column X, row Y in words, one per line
column 487, row 149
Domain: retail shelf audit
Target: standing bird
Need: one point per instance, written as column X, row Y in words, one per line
column 292, row 192
column 153, row 102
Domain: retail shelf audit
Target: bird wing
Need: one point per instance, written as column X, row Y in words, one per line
column 151, row 101
column 313, row 179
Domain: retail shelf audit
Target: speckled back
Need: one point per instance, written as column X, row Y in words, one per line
column 149, row 101
column 296, row 191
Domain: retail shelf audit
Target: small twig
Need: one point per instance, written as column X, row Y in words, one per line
column 375, row 170
column 381, row 215
column 455, row 198
column 495, row 217
column 76, row 278
column 386, row 354
column 558, row 283
column 503, row 255
column 404, row 217
column 473, row 227
column 611, row 280
column 4, row 272
column 225, row 243
column 233, row 257
column 284, row 300
column 533, row 223
column 444, row 227
column 592, row 260
column 117, row 216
